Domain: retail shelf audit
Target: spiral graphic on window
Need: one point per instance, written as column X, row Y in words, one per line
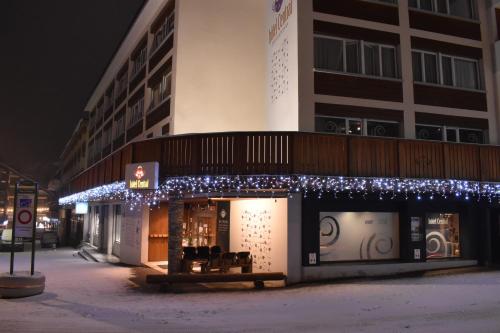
column 378, row 130
column 437, row 246
column 329, row 232
column 376, row 247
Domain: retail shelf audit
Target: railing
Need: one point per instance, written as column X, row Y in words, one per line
column 162, row 33
column 161, row 92
column 285, row 153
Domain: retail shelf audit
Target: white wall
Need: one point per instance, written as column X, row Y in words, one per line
column 282, row 67
column 134, row 235
column 219, row 66
column 260, row 226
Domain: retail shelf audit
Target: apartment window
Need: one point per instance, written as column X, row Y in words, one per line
column 354, row 56
column 450, row 134
column 446, row 70
column 460, row 8
column 107, row 137
column 136, row 112
column 119, row 127
column 355, row 126
column 165, row 130
column 163, row 32
column 139, row 62
column 122, row 84
column 161, row 91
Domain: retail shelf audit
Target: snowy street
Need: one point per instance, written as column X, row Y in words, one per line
column 83, row 296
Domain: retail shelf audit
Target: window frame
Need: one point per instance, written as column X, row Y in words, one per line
column 472, row 3
column 364, row 125
column 362, row 61
column 440, row 75
column 444, row 134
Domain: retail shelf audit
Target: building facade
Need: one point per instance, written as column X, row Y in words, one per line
column 327, row 138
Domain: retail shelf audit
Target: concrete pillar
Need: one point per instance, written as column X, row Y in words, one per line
column 175, row 220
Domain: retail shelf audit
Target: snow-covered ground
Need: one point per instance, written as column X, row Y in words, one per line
column 91, row 297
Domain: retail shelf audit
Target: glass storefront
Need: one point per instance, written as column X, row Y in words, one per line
column 442, row 235
column 359, row 236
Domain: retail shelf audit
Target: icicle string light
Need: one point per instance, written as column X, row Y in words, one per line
column 386, row 188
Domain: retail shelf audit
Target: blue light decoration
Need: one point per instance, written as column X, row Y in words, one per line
column 212, row 186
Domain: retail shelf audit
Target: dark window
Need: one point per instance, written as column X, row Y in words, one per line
column 429, row 132
column 387, row 129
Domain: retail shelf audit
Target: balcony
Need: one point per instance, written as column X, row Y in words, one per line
column 294, row 153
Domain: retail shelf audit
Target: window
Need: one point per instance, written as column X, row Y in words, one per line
column 165, row 130
column 119, row 127
column 139, row 62
column 442, row 235
column 161, row 91
column 107, row 137
column 446, row 70
column 162, row 33
column 354, row 126
column 136, row 112
column 460, row 8
column 450, row 134
column 358, row 236
column 354, row 56
column 122, row 84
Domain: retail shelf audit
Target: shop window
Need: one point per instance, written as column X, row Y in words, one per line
column 200, row 227
column 353, row 126
column 359, row 236
column 442, row 235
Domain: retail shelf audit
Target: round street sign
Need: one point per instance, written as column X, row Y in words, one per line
column 24, row 216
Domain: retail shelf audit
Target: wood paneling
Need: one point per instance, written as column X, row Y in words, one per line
column 421, row 159
column 373, row 157
column 449, row 97
column 462, row 161
column 108, row 176
column 117, row 164
column 358, row 87
column 444, row 24
column 348, row 31
column 490, row 163
column 363, row 10
column 158, row 233
column 318, row 154
column 288, row 153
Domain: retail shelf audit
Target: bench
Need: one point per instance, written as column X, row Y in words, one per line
column 257, row 278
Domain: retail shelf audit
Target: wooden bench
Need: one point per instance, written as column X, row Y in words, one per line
column 257, row 278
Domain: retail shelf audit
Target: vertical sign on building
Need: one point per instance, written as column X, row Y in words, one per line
column 223, row 224
column 282, row 65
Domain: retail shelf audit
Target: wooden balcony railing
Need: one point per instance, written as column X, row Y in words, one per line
column 284, row 153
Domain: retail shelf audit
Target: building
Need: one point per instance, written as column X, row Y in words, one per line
column 328, row 138
column 8, row 180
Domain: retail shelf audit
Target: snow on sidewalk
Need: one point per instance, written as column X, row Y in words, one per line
column 83, row 296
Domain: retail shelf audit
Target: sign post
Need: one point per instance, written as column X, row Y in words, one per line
column 24, row 220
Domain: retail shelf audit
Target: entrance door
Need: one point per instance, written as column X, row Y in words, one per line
column 495, row 230
column 158, row 233
column 96, row 227
column 117, row 228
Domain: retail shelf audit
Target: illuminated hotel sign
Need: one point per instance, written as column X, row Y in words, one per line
column 283, row 13
column 142, row 176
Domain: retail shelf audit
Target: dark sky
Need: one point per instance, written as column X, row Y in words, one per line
column 52, row 53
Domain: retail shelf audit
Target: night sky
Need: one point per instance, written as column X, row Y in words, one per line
column 52, row 54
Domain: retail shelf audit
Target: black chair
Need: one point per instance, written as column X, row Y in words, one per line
column 203, row 252
column 228, row 260
column 188, row 257
column 215, row 261
column 244, row 259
